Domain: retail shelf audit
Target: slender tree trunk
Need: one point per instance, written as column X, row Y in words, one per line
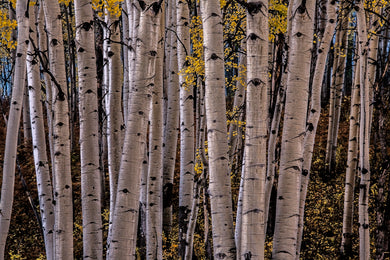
column 113, row 104
column 63, row 207
column 122, row 242
column 352, row 163
column 315, row 112
column 187, row 126
column 42, row 169
column 287, row 207
column 253, row 231
column 340, row 52
column 18, row 87
column 154, row 207
column 172, row 118
column 364, row 135
column 219, row 183
column 89, row 120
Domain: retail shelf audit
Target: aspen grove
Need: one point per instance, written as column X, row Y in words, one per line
column 195, row 129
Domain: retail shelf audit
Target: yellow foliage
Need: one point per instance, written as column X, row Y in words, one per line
column 6, row 28
column 277, row 18
column 113, row 7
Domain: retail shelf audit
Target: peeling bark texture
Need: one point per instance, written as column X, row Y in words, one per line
column 287, row 207
column 122, row 242
column 89, row 132
column 18, row 88
column 219, row 181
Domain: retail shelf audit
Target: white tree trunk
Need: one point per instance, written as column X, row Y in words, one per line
column 18, row 87
column 219, row 182
column 63, row 207
column 253, row 231
column 187, row 130
column 172, row 118
column 154, row 207
column 287, row 207
column 352, row 164
column 122, row 242
column 89, row 131
column 315, row 111
column 42, row 169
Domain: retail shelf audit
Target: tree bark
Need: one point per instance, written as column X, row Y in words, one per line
column 63, row 207
column 287, row 207
column 122, row 242
column 89, row 131
column 253, row 231
column 219, row 182
column 18, row 88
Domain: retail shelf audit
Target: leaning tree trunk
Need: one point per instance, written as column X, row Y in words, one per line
column 315, row 111
column 187, row 129
column 122, row 242
column 352, row 163
column 287, row 207
column 42, row 169
column 219, row 183
column 18, row 87
column 63, row 208
column 89, row 131
column 253, row 231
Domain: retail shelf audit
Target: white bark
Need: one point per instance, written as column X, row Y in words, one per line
column 253, row 231
column 187, row 153
column 89, row 131
column 63, row 207
column 18, row 87
column 154, row 207
column 172, row 118
column 122, row 242
column 364, row 135
column 287, row 207
column 352, row 164
column 315, row 111
column 42, row 169
column 219, row 182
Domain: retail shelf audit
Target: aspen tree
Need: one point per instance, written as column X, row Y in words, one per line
column 18, row 87
column 122, row 241
column 352, row 164
column 253, row 231
column 219, row 180
column 113, row 104
column 315, row 111
column 42, row 169
column 89, row 131
column 42, row 46
column 154, row 207
column 340, row 51
column 287, row 207
column 187, row 130
column 171, row 123
column 63, row 207
column 364, row 133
